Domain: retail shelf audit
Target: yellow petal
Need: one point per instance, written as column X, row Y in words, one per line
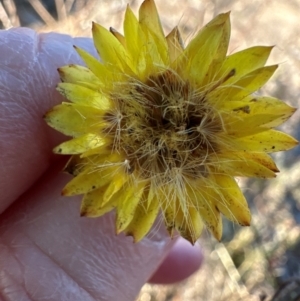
column 248, row 84
column 196, row 59
column 84, row 96
column 79, row 75
column 131, row 32
column 251, row 82
column 135, row 43
column 156, row 56
column 148, row 17
column 209, row 214
column 110, row 50
column 244, row 62
column 80, row 144
column 263, row 159
column 92, row 203
column 264, row 106
column 223, row 45
column 230, row 201
column 143, row 219
column 214, row 69
column 150, row 23
column 189, row 224
column 95, row 66
column 245, row 168
column 131, row 196
column 175, row 44
column 119, row 36
column 74, row 120
column 170, row 207
column 152, row 194
column 89, row 180
column 114, row 186
column 269, row 141
column 104, row 150
column 254, row 115
column 226, row 159
column 181, row 215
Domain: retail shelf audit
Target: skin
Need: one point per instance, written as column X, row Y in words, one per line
column 47, row 252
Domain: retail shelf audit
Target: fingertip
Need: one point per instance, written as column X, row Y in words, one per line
column 182, row 261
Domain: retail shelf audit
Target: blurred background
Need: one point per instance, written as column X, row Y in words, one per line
column 260, row 262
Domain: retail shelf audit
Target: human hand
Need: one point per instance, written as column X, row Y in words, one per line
column 47, row 252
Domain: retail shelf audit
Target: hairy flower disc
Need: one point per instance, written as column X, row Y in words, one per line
column 158, row 127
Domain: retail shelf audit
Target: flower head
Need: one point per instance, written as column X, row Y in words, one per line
column 159, row 127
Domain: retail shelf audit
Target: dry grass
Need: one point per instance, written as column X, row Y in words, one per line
column 252, row 263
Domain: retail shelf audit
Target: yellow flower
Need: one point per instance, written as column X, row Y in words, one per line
column 158, row 127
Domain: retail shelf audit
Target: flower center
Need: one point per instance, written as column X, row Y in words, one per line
column 164, row 126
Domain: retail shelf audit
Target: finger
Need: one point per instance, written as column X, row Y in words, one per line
column 28, row 77
column 182, row 261
column 47, row 252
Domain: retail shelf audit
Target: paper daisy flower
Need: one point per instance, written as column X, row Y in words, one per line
column 162, row 128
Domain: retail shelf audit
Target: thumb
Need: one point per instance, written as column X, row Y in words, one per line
column 28, row 77
column 48, row 252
